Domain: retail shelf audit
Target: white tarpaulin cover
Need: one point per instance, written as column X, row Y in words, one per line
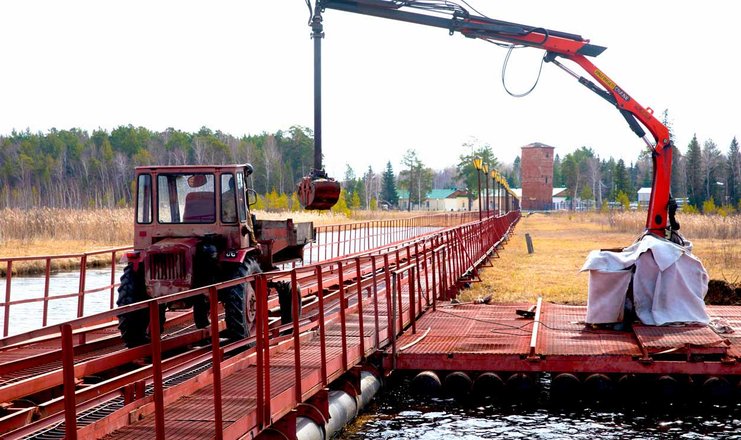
column 669, row 283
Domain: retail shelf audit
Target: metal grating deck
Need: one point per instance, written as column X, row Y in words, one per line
column 494, row 338
column 564, row 333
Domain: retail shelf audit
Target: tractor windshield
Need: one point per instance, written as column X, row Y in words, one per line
column 186, row 198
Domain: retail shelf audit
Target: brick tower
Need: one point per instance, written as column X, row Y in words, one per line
column 537, row 176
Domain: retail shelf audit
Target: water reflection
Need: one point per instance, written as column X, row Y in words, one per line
column 399, row 415
column 28, row 316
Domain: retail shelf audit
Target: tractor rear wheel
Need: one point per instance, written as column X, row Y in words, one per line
column 133, row 325
column 285, row 300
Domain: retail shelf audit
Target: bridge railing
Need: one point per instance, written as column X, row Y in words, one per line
column 50, row 296
column 361, row 302
column 68, row 301
column 333, row 241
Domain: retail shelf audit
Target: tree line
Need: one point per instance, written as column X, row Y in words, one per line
column 704, row 176
column 79, row 169
column 76, row 169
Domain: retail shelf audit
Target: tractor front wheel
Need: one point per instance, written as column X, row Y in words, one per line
column 133, row 325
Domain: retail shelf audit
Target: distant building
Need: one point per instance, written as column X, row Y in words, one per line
column 644, row 196
column 451, row 199
column 558, row 198
column 537, row 176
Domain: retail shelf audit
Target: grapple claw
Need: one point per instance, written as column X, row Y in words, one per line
column 318, row 193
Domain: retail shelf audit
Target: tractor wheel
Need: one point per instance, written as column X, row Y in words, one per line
column 240, row 303
column 133, row 326
column 250, row 313
column 284, row 299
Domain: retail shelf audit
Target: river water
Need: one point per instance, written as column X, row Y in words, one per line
column 399, row 415
column 25, row 317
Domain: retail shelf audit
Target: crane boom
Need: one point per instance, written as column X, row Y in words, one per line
column 453, row 17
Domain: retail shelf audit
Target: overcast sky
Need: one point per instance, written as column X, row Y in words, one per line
column 244, row 67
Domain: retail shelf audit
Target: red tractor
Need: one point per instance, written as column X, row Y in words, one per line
column 193, row 227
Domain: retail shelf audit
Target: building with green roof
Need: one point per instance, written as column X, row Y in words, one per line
column 450, row 199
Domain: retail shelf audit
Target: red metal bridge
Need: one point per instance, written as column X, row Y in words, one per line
column 361, row 285
column 374, row 296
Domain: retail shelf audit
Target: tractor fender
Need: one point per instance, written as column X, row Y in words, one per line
column 235, row 255
column 134, row 258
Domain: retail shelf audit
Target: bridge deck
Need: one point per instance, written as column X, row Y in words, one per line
column 494, row 338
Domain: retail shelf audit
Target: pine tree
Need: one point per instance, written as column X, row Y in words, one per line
column 712, row 160
column 694, row 173
column 388, row 187
column 516, row 180
column 557, row 174
column 355, row 201
column 733, row 173
column 349, row 184
column 621, row 179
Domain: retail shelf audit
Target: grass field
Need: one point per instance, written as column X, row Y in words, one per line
column 562, row 242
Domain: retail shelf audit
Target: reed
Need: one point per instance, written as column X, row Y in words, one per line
column 692, row 226
column 105, row 226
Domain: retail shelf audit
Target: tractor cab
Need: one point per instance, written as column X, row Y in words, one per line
column 193, row 201
column 192, row 221
column 193, row 228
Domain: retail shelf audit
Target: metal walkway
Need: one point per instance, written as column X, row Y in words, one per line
column 182, row 385
column 493, row 338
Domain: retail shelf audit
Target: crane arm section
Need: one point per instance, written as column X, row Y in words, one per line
column 558, row 45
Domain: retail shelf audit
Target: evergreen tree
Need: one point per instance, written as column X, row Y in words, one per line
column 349, row 184
column 516, row 176
column 733, row 172
column 355, row 202
column 622, row 180
column 388, row 187
column 694, row 173
column 608, row 178
column 557, row 175
column 712, row 160
column 634, row 178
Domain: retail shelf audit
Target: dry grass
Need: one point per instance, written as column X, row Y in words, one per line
column 47, row 231
column 109, row 226
column 693, row 226
column 562, row 242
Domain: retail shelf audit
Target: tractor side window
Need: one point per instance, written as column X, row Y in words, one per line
column 144, row 199
column 186, row 198
column 228, row 199
column 241, row 205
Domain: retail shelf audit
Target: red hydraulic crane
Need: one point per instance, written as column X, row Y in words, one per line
column 558, row 46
